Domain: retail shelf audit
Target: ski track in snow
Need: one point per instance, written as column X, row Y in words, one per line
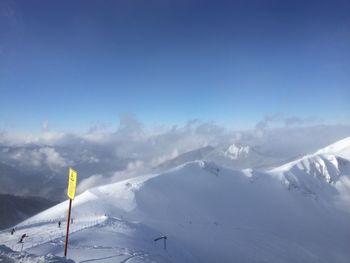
column 99, row 259
column 44, row 232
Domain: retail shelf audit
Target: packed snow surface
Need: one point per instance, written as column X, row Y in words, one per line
column 292, row 213
column 7, row 255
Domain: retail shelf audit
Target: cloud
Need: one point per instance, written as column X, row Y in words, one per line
column 45, row 125
column 38, row 157
column 53, row 158
column 279, row 118
column 92, row 181
column 130, row 127
column 343, row 187
column 133, row 169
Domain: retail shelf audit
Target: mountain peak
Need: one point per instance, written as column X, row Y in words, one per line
column 235, row 152
column 326, row 165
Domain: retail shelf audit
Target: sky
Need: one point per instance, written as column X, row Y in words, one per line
column 71, row 65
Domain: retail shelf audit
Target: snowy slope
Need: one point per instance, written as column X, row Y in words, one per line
column 8, row 255
column 209, row 214
column 96, row 231
column 340, row 148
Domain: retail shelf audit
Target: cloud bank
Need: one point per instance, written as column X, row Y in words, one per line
column 103, row 156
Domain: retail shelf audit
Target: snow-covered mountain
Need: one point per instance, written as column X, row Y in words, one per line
column 237, row 156
column 209, row 213
column 234, row 152
column 315, row 173
column 233, row 156
column 37, row 164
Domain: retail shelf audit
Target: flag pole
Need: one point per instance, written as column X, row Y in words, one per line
column 67, row 233
column 72, row 182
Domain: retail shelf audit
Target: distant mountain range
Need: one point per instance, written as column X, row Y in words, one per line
column 37, row 165
column 233, row 156
column 15, row 209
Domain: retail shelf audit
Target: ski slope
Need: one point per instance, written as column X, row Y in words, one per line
column 209, row 213
column 8, row 255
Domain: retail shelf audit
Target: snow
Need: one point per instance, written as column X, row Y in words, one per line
column 340, row 148
column 210, row 213
column 325, row 165
column 234, row 152
column 8, row 255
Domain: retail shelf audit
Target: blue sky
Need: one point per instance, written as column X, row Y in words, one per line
column 78, row 63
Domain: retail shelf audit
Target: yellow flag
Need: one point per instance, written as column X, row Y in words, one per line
column 72, row 183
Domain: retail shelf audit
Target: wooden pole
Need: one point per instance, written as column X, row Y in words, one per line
column 68, row 221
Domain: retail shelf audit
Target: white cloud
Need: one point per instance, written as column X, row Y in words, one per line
column 45, row 125
column 37, row 157
column 280, row 119
column 53, row 158
column 343, row 187
column 92, row 181
column 160, row 159
column 133, row 169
